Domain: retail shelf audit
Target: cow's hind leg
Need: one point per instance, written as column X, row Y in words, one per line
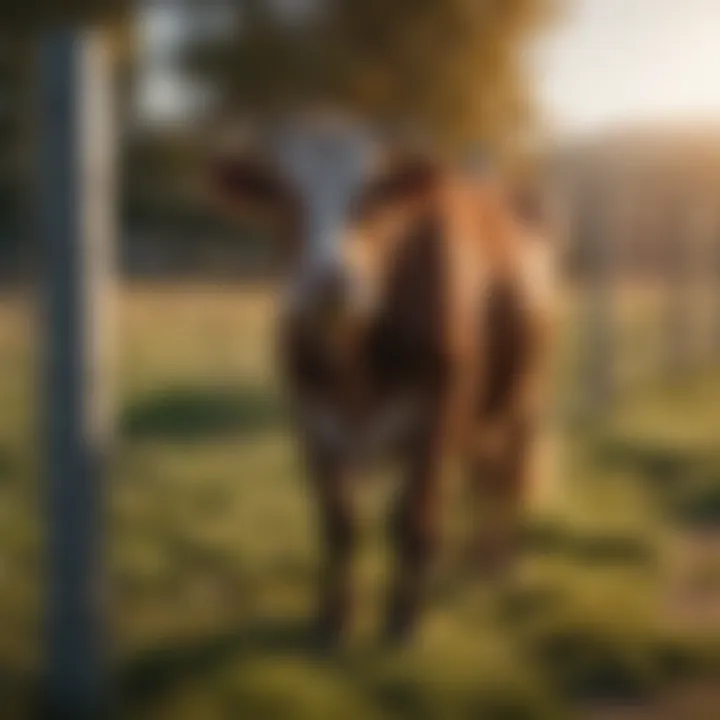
column 499, row 478
column 337, row 534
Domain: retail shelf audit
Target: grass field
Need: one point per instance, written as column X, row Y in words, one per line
column 613, row 612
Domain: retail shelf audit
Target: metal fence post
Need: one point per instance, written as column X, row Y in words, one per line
column 679, row 329
column 599, row 336
column 77, row 215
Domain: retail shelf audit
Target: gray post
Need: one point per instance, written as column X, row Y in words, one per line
column 599, row 336
column 715, row 292
column 702, row 281
column 711, row 298
column 77, row 224
column 679, row 332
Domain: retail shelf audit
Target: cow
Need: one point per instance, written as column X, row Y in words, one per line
column 414, row 326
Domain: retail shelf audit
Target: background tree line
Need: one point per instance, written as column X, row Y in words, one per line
column 453, row 72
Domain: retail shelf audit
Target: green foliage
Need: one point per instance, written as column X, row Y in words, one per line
column 16, row 76
column 43, row 14
column 160, row 174
column 449, row 70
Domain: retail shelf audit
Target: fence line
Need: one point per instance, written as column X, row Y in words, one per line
column 685, row 277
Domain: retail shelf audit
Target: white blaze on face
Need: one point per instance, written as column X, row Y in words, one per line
column 326, row 166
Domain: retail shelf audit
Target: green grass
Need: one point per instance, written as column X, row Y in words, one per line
column 213, row 551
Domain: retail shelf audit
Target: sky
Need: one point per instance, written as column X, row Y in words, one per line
column 607, row 63
column 611, row 63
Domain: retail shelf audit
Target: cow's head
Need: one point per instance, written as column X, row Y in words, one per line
column 336, row 198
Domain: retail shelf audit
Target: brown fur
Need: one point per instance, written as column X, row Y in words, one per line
column 456, row 332
column 461, row 332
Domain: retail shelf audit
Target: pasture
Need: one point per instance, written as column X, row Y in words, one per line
column 615, row 607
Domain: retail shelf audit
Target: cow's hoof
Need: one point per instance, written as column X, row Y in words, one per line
column 325, row 639
column 399, row 632
column 492, row 561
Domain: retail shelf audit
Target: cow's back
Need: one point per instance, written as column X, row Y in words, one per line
column 467, row 304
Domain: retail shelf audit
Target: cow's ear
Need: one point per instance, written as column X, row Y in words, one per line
column 404, row 179
column 247, row 182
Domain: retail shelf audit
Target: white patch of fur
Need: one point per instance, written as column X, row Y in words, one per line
column 326, row 165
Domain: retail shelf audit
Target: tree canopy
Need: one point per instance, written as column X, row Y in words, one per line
column 452, row 70
column 16, row 74
column 39, row 14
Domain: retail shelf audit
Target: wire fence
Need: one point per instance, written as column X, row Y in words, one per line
column 643, row 307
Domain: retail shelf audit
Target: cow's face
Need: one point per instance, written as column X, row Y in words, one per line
column 325, row 170
column 335, row 211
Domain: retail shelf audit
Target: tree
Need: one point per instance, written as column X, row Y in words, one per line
column 19, row 36
column 451, row 70
column 31, row 15
column 16, row 73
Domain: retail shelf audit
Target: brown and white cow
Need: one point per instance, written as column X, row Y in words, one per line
column 414, row 324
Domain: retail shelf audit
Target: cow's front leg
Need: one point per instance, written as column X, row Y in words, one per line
column 415, row 529
column 331, row 483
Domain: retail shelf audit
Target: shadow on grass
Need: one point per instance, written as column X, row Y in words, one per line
column 8, row 465
column 586, row 663
column 654, row 461
column 18, row 690
column 589, row 548
column 685, row 482
column 200, row 412
column 586, row 549
column 161, row 669
column 595, row 662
